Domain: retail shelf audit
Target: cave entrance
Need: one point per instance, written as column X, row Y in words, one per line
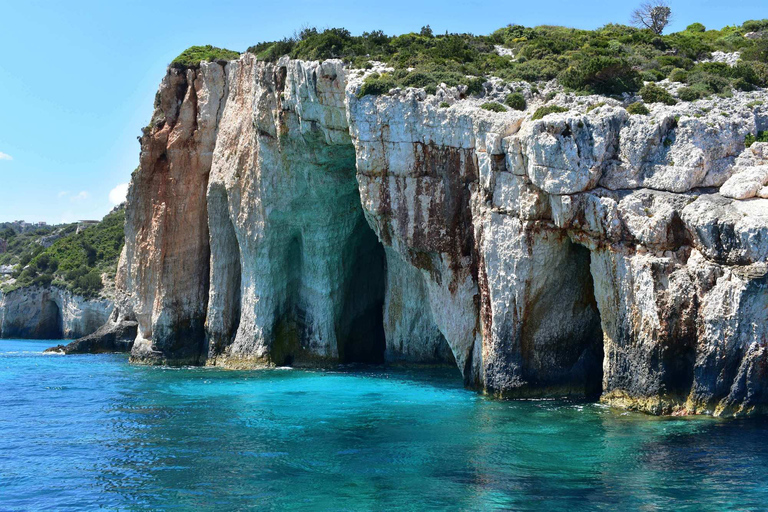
column 360, row 335
column 561, row 335
column 592, row 343
column 51, row 325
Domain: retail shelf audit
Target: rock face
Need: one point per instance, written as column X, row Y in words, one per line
column 167, row 248
column 50, row 313
column 277, row 219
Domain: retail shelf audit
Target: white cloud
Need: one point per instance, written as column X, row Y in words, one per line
column 118, row 194
column 82, row 196
column 64, row 193
column 5, row 156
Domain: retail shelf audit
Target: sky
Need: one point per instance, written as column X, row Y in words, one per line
column 78, row 78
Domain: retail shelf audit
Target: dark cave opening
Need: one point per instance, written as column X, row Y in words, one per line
column 594, row 351
column 360, row 334
column 51, row 324
column 562, row 336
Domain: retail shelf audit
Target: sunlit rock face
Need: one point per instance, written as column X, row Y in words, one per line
column 279, row 219
column 167, row 244
column 297, row 275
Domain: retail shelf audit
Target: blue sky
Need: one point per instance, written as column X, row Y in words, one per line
column 77, row 79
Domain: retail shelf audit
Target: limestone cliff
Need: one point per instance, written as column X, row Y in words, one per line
column 277, row 218
column 50, row 313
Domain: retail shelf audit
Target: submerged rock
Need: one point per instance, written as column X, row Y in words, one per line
column 278, row 219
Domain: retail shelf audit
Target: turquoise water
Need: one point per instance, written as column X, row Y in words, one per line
column 88, row 432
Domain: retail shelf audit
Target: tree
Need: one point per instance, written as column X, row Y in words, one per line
column 654, row 15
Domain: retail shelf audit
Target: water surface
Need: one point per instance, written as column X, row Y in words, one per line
column 88, row 432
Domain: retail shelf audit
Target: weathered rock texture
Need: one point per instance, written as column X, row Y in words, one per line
column 50, row 313
column 277, row 218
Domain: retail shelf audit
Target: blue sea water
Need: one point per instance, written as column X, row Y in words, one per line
column 93, row 432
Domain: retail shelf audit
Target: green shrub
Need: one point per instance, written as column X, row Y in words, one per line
column 652, row 93
column 755, row 25
column 758, row 51
column 493, row 107
column 375, row 84
column 678, row 75
column 515, row 101
column 751, row 139
column 695, row 27
column 444, row 104
column 601, row 75
column 638, row 108
column 475, row 85
column 688, row 94
column 743, row 85
column 194, row 55
column 653, row 75
column 549, row 109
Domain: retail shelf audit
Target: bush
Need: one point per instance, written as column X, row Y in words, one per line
column 743, row 85
column 706, row 84
column 751, row 139
column 376, row 84
column 545, row 111
column 194, row 55
column 493, row 107
column 755, row 25
column 601, row 75
column 652, row 93
column 444, row 104
column 678, row 75
column 515, row 101
column 475, row 85
column 638, row 108
column 758, row 51
column 688, row 94
column 695, row 27
column 88, row 284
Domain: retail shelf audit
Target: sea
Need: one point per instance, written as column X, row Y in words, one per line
column 93, row 432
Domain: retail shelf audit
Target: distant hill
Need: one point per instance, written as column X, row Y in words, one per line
column 79, row 258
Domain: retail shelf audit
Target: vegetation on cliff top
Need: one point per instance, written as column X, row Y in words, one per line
column 75, row 261
column 610, row 60
column 194, row 55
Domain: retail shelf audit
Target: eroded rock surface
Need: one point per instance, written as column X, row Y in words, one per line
column 50, row 313
column 277, row 218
